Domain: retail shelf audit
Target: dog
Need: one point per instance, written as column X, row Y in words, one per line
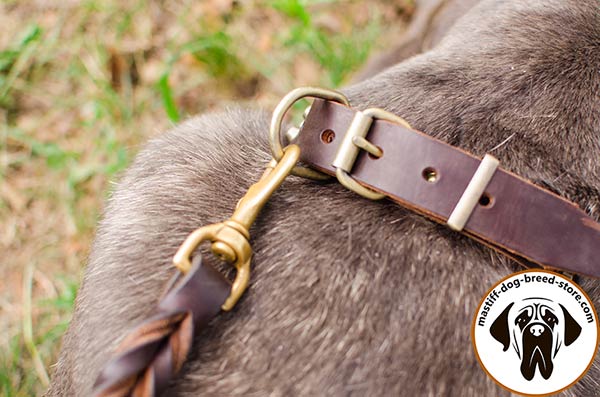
column 350, row 296
column 537, row 327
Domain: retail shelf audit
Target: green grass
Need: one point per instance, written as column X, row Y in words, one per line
column 51, row 321
column 338, row 54
column 82, row 87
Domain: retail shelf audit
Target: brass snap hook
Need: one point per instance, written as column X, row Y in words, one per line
column 230, row 239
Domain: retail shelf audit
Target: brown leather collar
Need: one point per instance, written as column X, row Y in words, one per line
column 430, row 177
column 419, row 172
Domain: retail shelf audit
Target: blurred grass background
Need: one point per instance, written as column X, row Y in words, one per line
column 84, row 82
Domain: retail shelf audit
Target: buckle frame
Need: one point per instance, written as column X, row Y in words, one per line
column 356, row 140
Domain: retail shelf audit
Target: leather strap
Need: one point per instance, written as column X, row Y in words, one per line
column 521, row 219
column 155, row 351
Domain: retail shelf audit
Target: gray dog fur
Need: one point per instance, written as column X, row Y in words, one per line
column 350, row 296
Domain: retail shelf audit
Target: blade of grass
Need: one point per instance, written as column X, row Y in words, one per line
column 20, row 58
column 28, row 326
column 167, row 98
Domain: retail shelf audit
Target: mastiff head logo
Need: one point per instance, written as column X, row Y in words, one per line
column 536, row 328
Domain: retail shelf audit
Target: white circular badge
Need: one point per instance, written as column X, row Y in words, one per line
column 535, row 332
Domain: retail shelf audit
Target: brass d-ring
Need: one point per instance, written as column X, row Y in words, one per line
column 286, row 103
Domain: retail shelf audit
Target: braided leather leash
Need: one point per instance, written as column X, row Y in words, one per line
column 150, row 356
column 520, row 220
column 155, row 351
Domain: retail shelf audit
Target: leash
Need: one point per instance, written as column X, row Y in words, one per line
column 447, row 185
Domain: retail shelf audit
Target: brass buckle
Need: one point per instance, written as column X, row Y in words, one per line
column 354, row 141
column 279, row 113
column 230, row 239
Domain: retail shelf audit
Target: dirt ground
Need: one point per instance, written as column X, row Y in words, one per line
column 84, row 82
